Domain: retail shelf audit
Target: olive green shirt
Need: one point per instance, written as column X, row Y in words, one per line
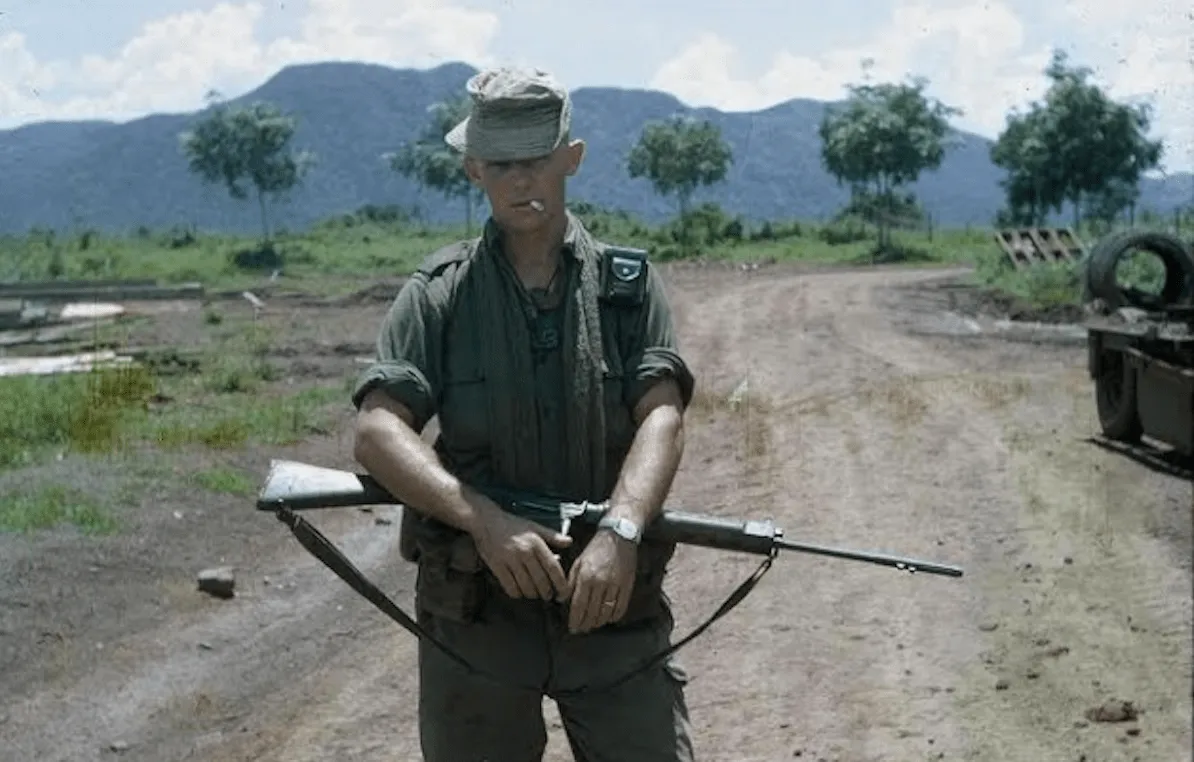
column 432, row 364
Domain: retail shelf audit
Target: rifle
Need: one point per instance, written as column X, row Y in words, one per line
column 299, row 486
column 292, row 486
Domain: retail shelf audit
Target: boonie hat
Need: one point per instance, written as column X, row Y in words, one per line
column 516, row 114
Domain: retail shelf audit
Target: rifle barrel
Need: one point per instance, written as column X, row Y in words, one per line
column 907, row 564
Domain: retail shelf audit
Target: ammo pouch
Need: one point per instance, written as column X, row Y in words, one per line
column 408, row 547
column 647, row 599
column 451, row 580
column 454, row 584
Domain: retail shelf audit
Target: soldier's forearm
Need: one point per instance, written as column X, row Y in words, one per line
column 408, row 468
column 650, row 466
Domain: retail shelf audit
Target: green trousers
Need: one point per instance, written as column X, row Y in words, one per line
column 468, row 718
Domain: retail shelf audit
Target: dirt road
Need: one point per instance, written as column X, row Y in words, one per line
column 856, row 429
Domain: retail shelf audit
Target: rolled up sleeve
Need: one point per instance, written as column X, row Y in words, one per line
column 406, row 367
column 655, row 352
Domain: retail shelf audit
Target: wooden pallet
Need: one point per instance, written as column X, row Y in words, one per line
column 1029, row 246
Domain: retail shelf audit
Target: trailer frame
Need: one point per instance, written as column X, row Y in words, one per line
column 1142, row 365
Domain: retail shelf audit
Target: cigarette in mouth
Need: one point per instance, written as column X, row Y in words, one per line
column 537, row 206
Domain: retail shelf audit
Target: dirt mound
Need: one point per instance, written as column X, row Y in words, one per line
column 955, row 294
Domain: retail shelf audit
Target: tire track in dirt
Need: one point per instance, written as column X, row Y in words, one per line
column 1101, row 604
column 831, row 643
column 359, row 704
column 883, row 667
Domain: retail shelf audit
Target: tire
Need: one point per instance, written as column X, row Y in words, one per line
column 1115, row 398
column 1099, row 275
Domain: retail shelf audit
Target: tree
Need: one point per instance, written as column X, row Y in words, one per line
column 679, row 155
column 883, row 138
column 246, row 146
column 1032, row 185
column 432, row 163
column 1088, row 150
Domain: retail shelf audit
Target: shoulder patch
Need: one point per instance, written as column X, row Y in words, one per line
column 623, row 275
column 437, row 261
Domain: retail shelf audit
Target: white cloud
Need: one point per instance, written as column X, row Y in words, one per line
column 1150, row 57
column 1148, row 45
column 416, row 33
column 704, row 74
column 174, row 61
column 24, row 76
column 976, row 57
column 973, row 55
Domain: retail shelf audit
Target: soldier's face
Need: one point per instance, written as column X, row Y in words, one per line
column 526, row 195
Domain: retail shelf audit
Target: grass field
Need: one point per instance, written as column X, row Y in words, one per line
column 336, row 255
column 376, row 243
column 220, row 387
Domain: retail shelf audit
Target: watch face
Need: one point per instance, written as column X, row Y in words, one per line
column 627, row 529
column 624, row 528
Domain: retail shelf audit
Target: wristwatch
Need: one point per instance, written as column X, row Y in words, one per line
column 622, row 527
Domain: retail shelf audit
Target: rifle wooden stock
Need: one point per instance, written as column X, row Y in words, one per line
column 301, row 486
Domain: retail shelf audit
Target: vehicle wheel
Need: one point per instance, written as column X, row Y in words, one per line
column 1115, row 395
column 1099, row 275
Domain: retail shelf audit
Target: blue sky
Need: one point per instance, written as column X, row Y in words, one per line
column 71, row 59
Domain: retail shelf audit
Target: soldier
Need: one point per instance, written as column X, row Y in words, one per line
column 551, row 363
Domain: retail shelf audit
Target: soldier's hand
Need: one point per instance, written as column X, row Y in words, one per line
column 601, row 580
column 519, row 553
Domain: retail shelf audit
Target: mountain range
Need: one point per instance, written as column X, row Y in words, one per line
column 116, row 177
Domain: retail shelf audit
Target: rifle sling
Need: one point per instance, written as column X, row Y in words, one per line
column 320, row 547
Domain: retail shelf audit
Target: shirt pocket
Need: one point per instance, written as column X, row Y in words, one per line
column 464, row 407
column 619, row 421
